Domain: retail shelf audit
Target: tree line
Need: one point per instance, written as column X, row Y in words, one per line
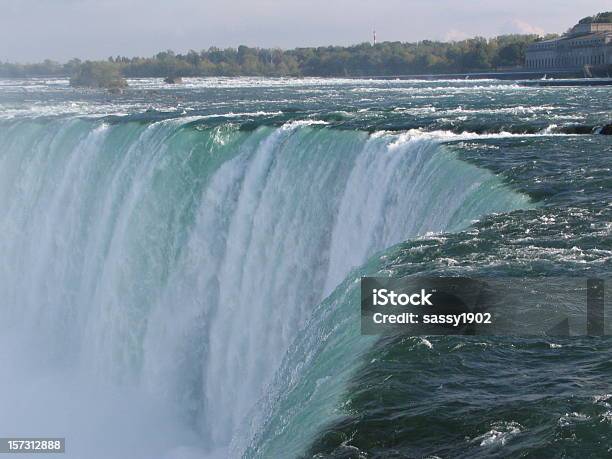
column 383, row 59
column 601, row 18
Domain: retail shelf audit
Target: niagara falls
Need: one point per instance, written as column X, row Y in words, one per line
column 187, row 240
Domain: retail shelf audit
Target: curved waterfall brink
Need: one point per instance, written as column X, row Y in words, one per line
column 193, row 265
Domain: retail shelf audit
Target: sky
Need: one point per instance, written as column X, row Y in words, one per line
column 33, row 30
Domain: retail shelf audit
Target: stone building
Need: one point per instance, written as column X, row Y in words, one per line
column 588, row 44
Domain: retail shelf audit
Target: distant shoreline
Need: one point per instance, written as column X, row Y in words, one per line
column 361, row 60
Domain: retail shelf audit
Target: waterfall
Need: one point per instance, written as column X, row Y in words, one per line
column 195, row 271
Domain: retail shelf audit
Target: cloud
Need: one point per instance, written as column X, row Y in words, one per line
column 456, row 35
column 522, row 27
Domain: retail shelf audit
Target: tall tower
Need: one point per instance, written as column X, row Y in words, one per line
column 374, row 33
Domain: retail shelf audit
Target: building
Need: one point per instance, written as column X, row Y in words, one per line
column 586, row 44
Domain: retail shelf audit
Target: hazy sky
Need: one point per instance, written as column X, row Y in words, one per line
column 31, row 30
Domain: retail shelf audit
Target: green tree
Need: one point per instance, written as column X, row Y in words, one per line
column 98, row 75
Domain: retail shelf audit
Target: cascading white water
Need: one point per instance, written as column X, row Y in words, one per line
column 182, row 264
